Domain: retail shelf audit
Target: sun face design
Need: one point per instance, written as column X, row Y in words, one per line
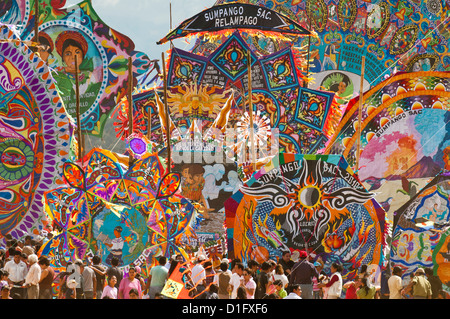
column 309, row 196
column 195, row 101
column 306, row 201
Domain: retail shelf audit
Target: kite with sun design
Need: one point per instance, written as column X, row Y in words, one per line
column 307, row 202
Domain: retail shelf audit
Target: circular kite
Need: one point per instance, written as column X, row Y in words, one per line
column 34, row 137
column 132, row 214
column 307, row 202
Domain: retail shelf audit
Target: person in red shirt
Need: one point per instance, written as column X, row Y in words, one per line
column 351, row 288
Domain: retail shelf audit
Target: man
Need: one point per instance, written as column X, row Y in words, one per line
column 28, row 250
column 224, row 281
column 263, row 281
column 33, row 277
column 395, row 284
column 88, row 279
column 236, row 278
column 114, row 270
column 100, row 275
column 435, row 282
column 28, row 241
column 254, row 266
column 157, row 277
column 302, row 273
column 421, row 287
column 286, row 262
column 17, row 270
column 198, row 271
column 296, row 292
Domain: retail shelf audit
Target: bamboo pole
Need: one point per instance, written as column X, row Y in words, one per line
column 167, row 114
column 36, row 21
column 309, row 55
column 361, row 101
column 170, row 16
column 78, row 110
column 250, row 111
column 149, row 124
column 244, row 149
column 130, row 104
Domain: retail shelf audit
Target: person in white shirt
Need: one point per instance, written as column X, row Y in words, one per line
column 33, row 277
column 236, row 277
column 395, row 284
column 110, row 291
column 296, row 292
column 198, row 271
column 279, row 275
column 17, row 270
column 116, row 246
column 225, row 260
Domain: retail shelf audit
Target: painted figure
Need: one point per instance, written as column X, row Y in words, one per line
column 71, row 44
column 116, row 246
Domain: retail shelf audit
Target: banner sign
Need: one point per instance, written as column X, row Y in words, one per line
column 236, row 16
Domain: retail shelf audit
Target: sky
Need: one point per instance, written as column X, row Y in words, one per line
column 147, row 21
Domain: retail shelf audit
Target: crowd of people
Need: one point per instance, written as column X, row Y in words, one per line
column 25, row 276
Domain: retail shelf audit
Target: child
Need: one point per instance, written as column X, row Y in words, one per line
column 279, row 288
column 134, row 294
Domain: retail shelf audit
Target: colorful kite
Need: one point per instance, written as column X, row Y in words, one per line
column 102, row 58
column 307, row 202
column 139, row 145
column 403, row 130
column 236, row 16
column 421, row 231
column 303, row 117
column 133, row 214
column 35, row 137
column 393, row 36
column 179, row 284
column 201, row 148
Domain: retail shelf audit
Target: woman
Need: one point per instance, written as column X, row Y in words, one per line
column 363, row 272
column 71, row 291
column 46, row 281
column 71, row 45
column 45, row 47
column 129, row 283
column 3, row 278
column 248, row 283
column 365, row 291
column 241, row 293
column 279, row 290
column 334, row 285
column 5, row 292
column 279, row 275
column 110, row 291
column 351, row 287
